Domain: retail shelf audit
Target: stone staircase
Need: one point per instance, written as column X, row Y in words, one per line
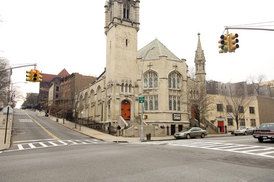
column 204, row 124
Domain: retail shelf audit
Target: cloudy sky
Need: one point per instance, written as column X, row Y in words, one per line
column 69, row 34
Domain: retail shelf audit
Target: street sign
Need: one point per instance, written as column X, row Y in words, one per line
column 141, row 99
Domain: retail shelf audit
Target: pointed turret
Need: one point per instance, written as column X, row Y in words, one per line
column 200, row 62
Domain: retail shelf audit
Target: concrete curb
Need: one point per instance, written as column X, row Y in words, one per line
column 120, row 139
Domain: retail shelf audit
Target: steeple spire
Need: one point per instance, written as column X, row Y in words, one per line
column 200, row 61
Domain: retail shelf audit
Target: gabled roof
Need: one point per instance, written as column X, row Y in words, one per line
column 63, row 73
column 154, row 50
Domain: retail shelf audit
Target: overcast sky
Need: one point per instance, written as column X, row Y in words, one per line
column 69, row 34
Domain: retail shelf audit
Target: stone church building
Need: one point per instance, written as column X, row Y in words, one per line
column 153, row 72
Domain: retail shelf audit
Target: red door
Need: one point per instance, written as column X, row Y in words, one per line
column 125, row 110
column 221, row 126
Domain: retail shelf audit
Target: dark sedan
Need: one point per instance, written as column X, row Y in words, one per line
column 264, row 131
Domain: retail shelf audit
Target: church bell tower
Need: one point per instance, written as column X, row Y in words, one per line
column 121, row 28
column 200, row 72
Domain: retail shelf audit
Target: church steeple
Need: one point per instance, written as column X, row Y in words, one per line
column 200, row 62
column 122, row 12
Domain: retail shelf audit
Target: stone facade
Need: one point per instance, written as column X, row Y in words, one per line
column 221, row 112
column 153, row 72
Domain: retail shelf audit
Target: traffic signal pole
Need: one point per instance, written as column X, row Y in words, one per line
column 246, row 28
column 232, row 38
column 18, row 67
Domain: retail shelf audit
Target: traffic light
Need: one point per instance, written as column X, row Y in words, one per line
column 40, row 77
column 223, row 43
column 29, row 76
column 35, row 75
column 233, row 42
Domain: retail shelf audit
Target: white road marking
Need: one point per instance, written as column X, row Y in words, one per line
column 228, row 147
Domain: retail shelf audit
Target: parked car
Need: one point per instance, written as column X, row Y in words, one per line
column 191, row 133
column 243, row 130
column 264, row 131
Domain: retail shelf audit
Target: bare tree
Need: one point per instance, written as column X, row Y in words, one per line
column 32, row 99
column 191, row 72
column 199, row 101
column 16, row 95
column 237, row 103
column 78, row 106
column 4, row 83
column 255, row 82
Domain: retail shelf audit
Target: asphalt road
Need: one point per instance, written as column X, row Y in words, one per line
column 27, row 125
column 239, row 158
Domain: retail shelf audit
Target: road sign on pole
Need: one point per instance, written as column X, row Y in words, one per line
column 141, row 99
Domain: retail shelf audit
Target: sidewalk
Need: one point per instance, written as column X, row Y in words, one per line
column 110, row 138
column 84, row 130
column 3, row 119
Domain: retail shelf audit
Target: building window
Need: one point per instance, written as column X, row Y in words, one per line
column 151, row 103
column 126, row 87
column 174, row 103
column 219, row 107
column 156, row 102
column 129, row 88
column 170, row 102
column 251, row 110
column 122, row 87
column 229, row 121
column 241, row 109
column 151, row 80
column 145, row 104
column 174, row 81
column 57, row 95
column 252, row 122
column 126, row 10
column 179, row 104
column 229, row 108
column 57, row 88
column 242, row 122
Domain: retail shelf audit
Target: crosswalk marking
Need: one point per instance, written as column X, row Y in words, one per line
column 20, row 147
column 31, row 145
column 263, row 151
column 42, row 144
column 72, row 142
column 63, row 142
column 49, row 143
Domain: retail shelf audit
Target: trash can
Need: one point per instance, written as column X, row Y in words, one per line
column 149, row 136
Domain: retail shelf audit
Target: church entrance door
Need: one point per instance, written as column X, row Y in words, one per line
column 125, row 110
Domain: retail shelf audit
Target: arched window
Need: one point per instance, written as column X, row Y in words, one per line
column 174, row 81
column 145, row 81
column 126, row 8
column 129, row 88
column 92, row 96
column 126, row 87
column 99, row 93
column 122, row 87
column 150, row 80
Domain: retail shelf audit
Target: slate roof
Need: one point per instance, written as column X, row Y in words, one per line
column 154, row 50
